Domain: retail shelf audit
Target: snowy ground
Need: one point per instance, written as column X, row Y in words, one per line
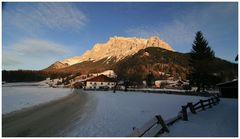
column 27, row 84
column 219, row 121
column 16, row 96
column 115, row 114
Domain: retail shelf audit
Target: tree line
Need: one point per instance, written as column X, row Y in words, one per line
column 30, row 75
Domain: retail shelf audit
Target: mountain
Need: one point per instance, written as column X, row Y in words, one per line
column 164, row 64
column 116, row 47
column 161, row 63
column 57, row 65
column 134, row 58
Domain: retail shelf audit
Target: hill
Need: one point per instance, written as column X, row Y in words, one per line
column 165, row 64
column 162, row 63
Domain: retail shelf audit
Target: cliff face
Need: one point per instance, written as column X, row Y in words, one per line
column 119, row 48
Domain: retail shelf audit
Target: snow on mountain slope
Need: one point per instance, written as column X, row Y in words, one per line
column 118, row 47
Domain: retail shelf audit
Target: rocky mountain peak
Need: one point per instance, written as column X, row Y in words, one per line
column 119, row 48
column 57, row 65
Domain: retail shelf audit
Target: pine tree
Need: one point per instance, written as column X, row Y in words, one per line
column 200, row 57
column 150, row 79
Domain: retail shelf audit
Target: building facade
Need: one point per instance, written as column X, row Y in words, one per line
column 100, row 82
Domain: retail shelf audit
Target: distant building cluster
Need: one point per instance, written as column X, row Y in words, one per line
column 107, row 80
column 171, row 84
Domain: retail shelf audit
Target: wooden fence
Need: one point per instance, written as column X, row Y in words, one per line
column 172, row 91
column 157, row 125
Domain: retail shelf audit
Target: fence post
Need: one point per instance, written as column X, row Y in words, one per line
column 209, row 102
column 184, row 112
column 218, row 99
column 134, row 128
column 213, row 101
column 191, row 107
column 161, row 121
column 202, row 105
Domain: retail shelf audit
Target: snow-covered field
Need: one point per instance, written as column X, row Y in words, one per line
column 27, row 84
column 115, row 114
column 16, row 96
column 219, row 121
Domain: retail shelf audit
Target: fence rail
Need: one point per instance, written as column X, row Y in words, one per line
column 157, row 125
column 201, row 105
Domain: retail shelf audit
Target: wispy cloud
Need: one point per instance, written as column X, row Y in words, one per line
column 213, row 19
column 176, row 32
column 32, row 53
column 37, row 16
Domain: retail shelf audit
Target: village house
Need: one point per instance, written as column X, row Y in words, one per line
column 170, row 84
column 229, row 89
column 100, row 82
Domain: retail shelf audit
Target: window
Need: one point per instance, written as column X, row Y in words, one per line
column 90, row 82
column 101, row 83
column 95, row 83
column 108, row 83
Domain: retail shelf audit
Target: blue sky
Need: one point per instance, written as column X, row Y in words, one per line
column 37, row 34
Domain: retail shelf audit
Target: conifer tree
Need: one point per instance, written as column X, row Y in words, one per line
column 200, row 57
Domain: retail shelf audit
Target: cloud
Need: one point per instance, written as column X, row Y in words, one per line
column 32, row 53
column 214, row 19
column 176, row 32
column 9, row 60
column 38, row 47
column 35, row 17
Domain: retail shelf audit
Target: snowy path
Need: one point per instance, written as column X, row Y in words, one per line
column 45, row 120
column 219, row 121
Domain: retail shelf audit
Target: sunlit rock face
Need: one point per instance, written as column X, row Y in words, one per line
column 119, row 48
column 57, row 65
